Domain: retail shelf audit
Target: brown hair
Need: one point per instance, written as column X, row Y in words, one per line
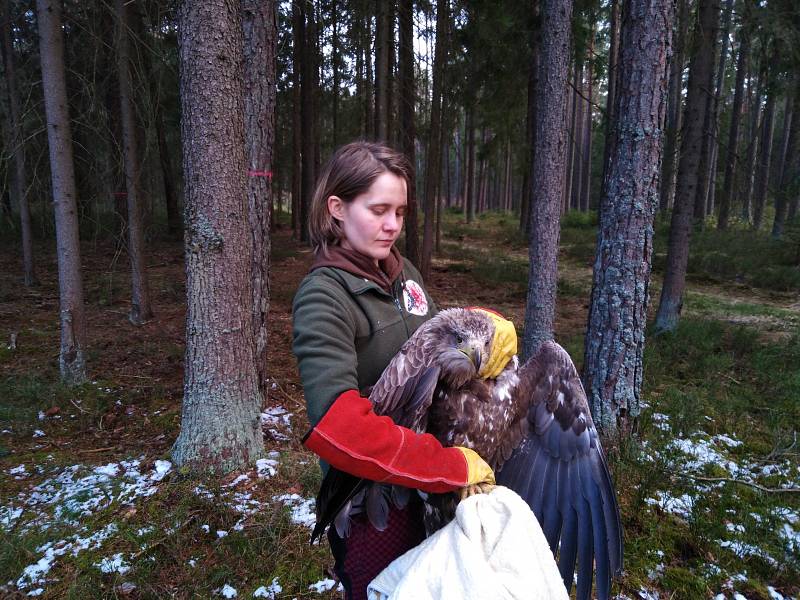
column 351, row 171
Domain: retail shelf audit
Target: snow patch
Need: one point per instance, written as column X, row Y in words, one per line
column 266, row 467
column 114, row 564
column 226, row 591
column 278, row 422
column 34, row 574
column 325, row 585
column 19, row 472
column 269, row 592
column 302, row 509
column 680, row 505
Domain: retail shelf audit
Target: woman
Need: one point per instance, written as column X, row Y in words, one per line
column 356, row 307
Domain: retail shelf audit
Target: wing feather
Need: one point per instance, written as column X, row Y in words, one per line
column 560, row 470
column 405, row 389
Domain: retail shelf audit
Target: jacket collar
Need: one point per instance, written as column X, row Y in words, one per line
column 359, row 272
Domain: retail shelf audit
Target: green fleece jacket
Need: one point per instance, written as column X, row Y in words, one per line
column 347, row 329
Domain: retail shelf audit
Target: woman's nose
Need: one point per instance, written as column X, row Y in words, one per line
column 391, row 223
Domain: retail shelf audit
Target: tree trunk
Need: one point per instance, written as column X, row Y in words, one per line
column 369, row 105
column 702, row 64
column 383, row 29
column 220, row 425
column 764, row 157
column 307, row 92
column 711, row 126
column 434, row 153
column 469, row 194
column 752, row 148
column 407, row 123
column 621, row 279
column 141, row 311
column 674, row 108
column 576, row 183
column 586, row 143
column 260, row 33
column 17, row 148
column 299, row 208
column 62, row 171
column 572, row 110
column 788, row 162
column 548, row 174
column 336, row 76
column 733, row 134
column 174, row 219
column 613, row 74
column 530, row 123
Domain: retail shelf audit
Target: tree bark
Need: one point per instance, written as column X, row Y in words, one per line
column 407, row 123
column 548, row 174
column 62, row 171
column 621, row 280
column 259, row 27
column 674, row 108
column 141, row 310
column 733, row 134
column 434, row 153
column 220, row 426
column 702, row 63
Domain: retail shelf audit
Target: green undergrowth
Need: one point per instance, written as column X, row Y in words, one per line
column 722, row 413
column 26, row 398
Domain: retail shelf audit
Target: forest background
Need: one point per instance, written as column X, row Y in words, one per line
column 571, row 161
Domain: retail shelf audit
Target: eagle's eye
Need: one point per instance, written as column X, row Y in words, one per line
column 459, row 339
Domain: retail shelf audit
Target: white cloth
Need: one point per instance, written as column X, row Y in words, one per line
column 494, row 549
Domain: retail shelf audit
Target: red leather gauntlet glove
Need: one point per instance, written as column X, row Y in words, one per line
column 352, row 438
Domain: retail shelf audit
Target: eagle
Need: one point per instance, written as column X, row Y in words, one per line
column 532, row 424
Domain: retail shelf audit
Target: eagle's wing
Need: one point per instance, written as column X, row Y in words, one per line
column 404, row 392
column 561, row 471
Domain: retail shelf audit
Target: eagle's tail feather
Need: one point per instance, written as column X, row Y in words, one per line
column 377, row 502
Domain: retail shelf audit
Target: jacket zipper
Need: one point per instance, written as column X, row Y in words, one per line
column 400, row 308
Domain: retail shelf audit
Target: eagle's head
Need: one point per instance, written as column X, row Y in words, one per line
column 461, row 340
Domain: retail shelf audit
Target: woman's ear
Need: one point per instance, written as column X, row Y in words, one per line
column 336, row 207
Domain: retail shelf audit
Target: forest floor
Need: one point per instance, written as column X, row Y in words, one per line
column 91, row 506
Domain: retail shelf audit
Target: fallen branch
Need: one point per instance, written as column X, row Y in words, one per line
column 93, row 450
column 791, row 490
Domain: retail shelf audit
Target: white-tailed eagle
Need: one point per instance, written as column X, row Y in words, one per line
column 532, row 425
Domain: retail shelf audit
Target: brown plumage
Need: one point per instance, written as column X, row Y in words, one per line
column 532, row 425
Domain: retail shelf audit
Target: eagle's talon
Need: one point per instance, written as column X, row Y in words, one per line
column 474, row 489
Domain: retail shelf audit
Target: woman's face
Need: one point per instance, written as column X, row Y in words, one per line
column 372, row 221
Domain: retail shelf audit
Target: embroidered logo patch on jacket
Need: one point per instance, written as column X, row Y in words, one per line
column 414, row 296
